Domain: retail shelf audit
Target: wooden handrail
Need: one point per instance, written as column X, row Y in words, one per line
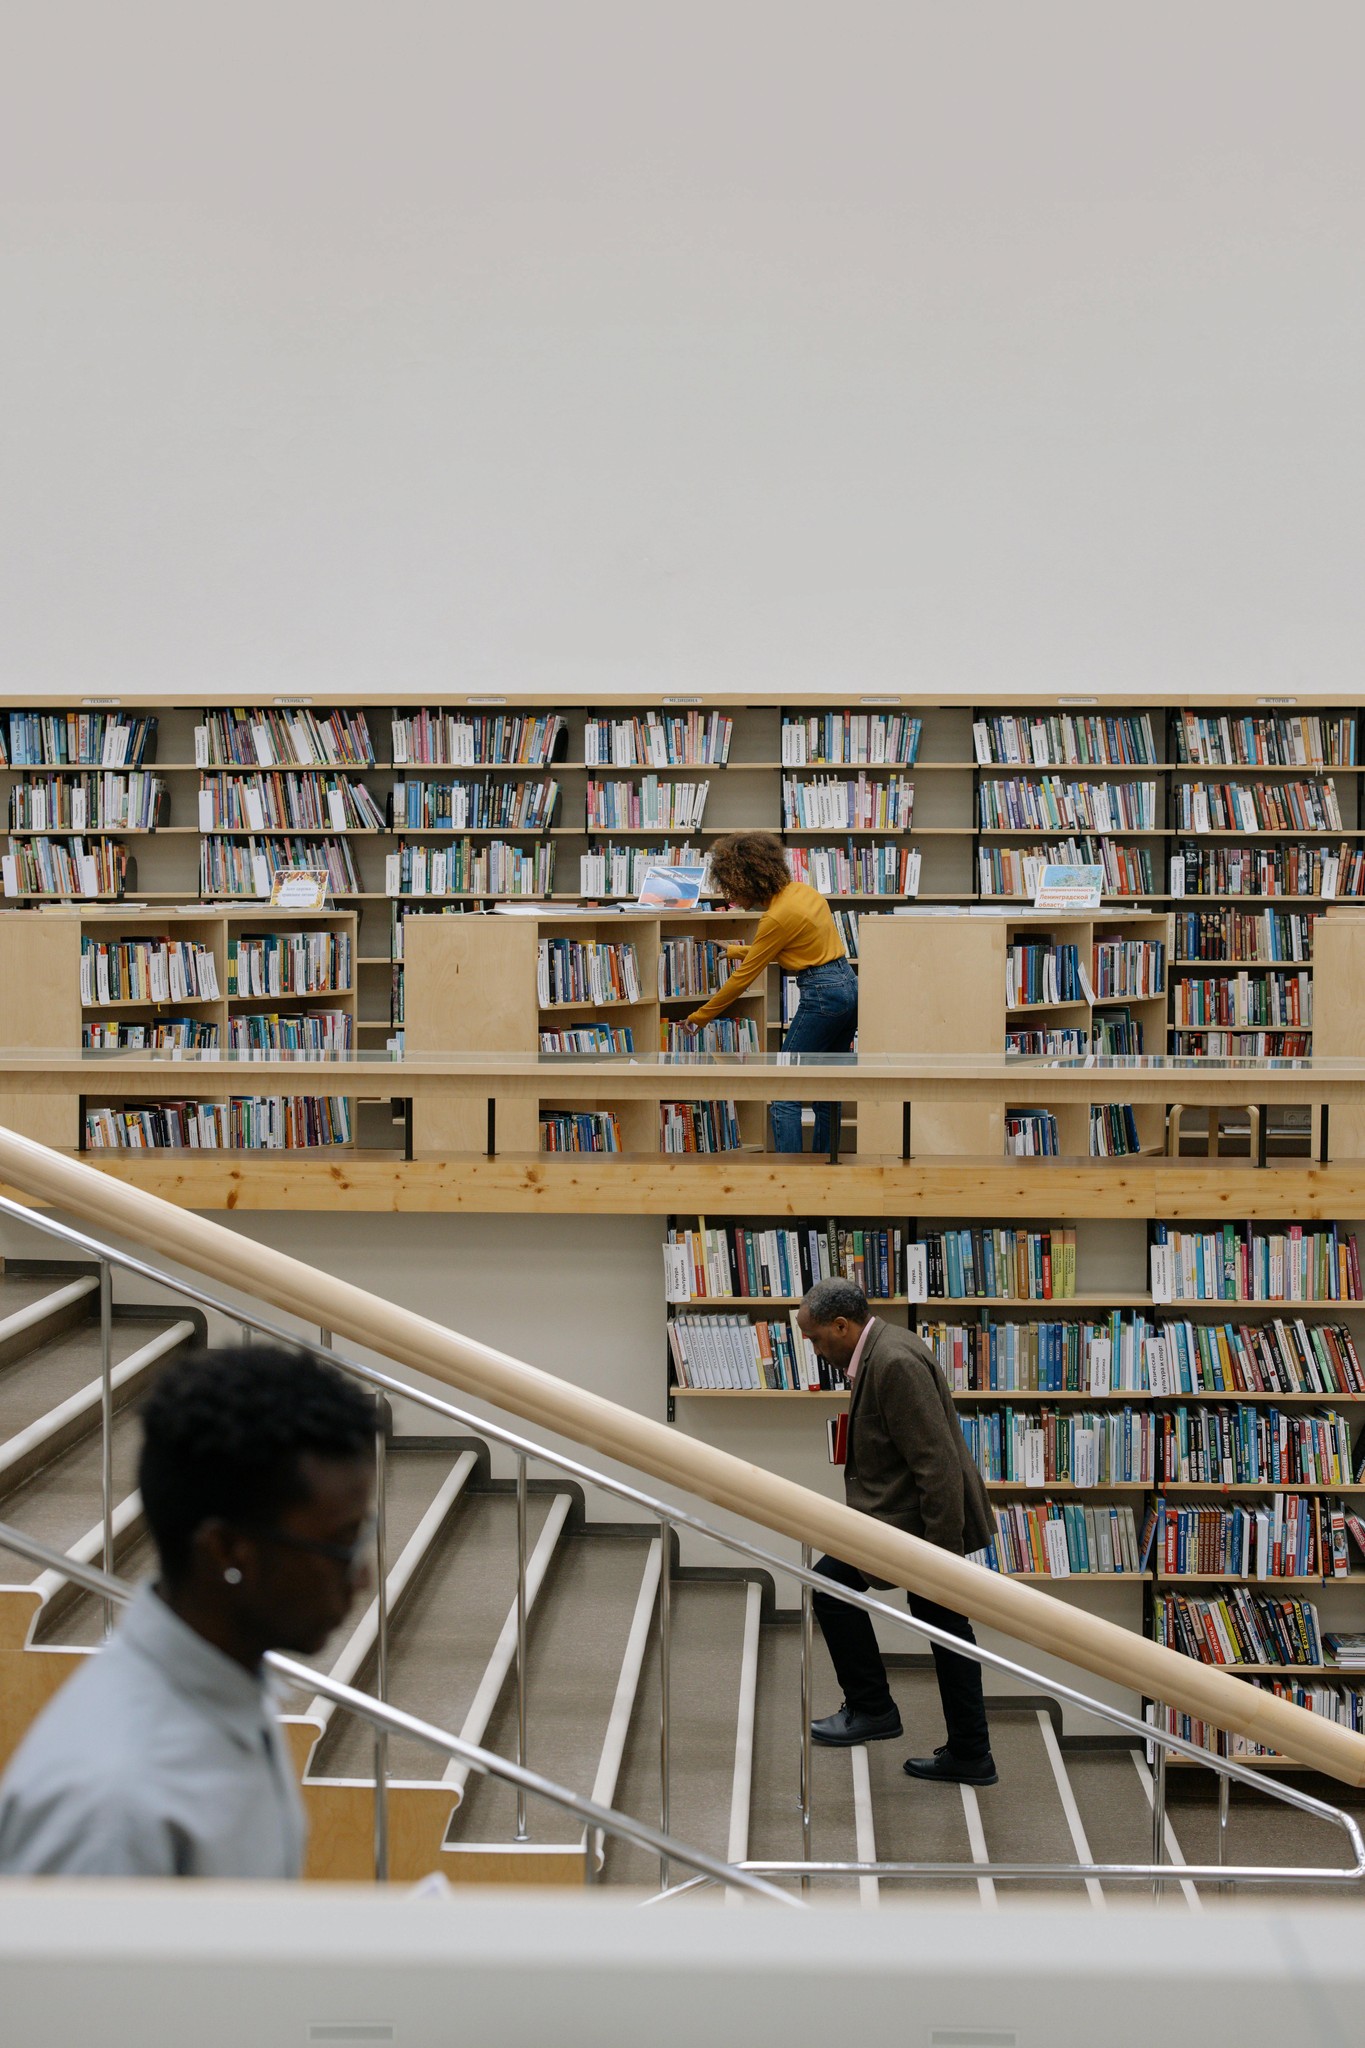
column 666, row 1455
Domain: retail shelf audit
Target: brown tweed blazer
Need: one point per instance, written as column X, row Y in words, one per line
column 908, row 1463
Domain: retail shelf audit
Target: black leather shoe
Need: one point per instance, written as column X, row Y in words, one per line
column 944, row 1769
column 845, row 1730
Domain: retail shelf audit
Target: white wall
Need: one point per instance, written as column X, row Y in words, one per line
column 744, row 347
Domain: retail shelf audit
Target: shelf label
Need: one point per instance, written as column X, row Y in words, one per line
column 299, row 889
column 101, row 700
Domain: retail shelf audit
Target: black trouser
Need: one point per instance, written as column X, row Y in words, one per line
column 852, row 1644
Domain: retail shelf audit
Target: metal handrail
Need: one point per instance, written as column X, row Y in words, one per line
column 394, row 1721
column 669, row 1515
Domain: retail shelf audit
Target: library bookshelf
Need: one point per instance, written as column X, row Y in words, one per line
column 199, row 825
column 57, row 990
column 710, row 1258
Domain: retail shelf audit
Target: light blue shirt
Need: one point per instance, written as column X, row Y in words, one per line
column 161, row 1758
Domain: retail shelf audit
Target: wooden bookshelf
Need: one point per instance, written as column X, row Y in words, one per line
column 41, row 1002
column 906, row 997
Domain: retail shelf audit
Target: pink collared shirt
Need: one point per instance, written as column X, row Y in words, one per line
column 851, row 1372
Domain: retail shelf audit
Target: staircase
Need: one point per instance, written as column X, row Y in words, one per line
column 594, row 1594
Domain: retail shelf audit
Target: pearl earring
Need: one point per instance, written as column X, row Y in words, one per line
column 233, row 1576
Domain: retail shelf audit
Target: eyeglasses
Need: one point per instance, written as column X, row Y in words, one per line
column 349, row 1554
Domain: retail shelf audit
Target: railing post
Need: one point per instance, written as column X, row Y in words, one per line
column 107, row 1428
column 665, row 1651
column 806, row 1645
column 381, row 1567
column 1159, row 1814
column 1224, row 1793
column 521, row 1641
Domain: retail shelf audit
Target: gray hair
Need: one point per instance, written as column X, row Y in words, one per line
column 830, row 1299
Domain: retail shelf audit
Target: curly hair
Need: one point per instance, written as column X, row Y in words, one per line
column 223, row 1432
column 749, row 867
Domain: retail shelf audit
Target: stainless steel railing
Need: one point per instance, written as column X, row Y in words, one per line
column 671, row 1516
column 392, row 1720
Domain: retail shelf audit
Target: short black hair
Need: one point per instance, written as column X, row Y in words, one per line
column 830, row 1299
column 223, row 1432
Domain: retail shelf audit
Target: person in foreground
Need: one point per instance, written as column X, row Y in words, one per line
column 796, row 931
column 908, row 1464
column 162, row 1757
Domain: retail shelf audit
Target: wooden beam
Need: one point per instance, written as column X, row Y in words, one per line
column 754, row 1184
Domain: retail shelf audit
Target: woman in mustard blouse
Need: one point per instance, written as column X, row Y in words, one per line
column 796, row 931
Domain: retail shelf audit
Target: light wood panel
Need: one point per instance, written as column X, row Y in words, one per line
column 1339, row 1014
column 40, row 1004
column 674, row 1459
column 931, row 985
column 1177, row 1190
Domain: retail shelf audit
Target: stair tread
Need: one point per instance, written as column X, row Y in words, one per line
column 576, row 1641
column 441, row 1642
column 707, row 1640
column 52, row 1372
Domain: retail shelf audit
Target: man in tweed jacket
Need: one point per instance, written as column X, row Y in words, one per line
column 908, row 1464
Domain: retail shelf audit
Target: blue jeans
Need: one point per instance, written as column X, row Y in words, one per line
column 825, row 1021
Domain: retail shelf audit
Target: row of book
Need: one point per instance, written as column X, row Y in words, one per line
column 1279, row 1539
column 1244, row 935
column 589, row 1038
column 247, row 867
column 731, row 1035
column 1238, row 1627
column 1064, row 1044
column 1063, row 1539
column 1113, row 1130
column 1116, row 1033
column 692, row 967
column 463, row 868
column 997, row 1263
column 649, row 805
column 718, row 1262
column 290, row 963
column 54, row 867
column 1009, row 804
column 1278, row 741
column 1342, row 1704
column 1063, row 741
column 482, row 806
column 1268, row 871
column 1130, row 1353
column 106, row 802
column 699, row 1127
column 619, row 870
column 281, row 802
column 147, row 971
column 451, row 739
column 1031, row 1134
column 595, row 1130
column 1233, row 1447
column 586, row 971
column 168, row 1034
column 1257, row 807
column 850, row 739
column 1243, row 1446
column 874, row 803
column 1244, row 1000
column 292, row 737
column 243, row 1123
column 1040, row 972
column 1242, row 1045
column 1128, row 967
column 310, row 1031
column 737, row 1354
column 691, row 739
column 1016, row 871
column 1242, row 1261
column 858, row 870
column 98, row 739
column 1068, row 1448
